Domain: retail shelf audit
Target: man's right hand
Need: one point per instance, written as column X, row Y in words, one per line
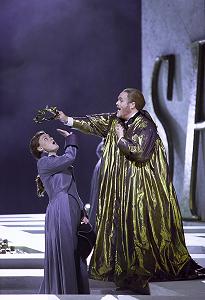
column 62, row 117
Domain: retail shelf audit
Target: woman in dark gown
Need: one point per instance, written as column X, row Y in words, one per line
column 94, row 190
column 64, row 271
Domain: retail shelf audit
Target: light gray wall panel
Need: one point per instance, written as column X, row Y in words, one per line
column 170, row 27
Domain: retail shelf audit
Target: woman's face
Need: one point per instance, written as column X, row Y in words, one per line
column 47, row 144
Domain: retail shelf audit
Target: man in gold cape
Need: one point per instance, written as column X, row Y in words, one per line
column 139, row 226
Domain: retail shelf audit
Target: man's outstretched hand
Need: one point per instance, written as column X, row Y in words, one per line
column 62, row 117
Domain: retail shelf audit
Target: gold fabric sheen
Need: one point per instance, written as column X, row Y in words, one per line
column 139, row 228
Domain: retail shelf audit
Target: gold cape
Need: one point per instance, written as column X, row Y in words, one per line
column 139, row 227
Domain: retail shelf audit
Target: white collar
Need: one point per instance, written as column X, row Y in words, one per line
column 52, row 154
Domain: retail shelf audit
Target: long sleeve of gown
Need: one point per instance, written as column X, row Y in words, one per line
column 54, row 165
column 140, row 146
column 97, row 124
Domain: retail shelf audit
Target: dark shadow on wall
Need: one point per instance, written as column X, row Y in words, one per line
column 77, row 55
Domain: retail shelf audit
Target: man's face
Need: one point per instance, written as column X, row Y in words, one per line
column 47, row 143
column 124, row 106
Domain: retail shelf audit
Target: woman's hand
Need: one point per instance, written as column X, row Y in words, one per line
column 119, row 131
column 62, row 117
column 64, row 132
column 84, row 220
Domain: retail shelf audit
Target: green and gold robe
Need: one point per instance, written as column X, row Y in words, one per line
column 139, row 227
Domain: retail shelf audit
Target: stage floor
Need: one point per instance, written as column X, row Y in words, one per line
column 22, row 273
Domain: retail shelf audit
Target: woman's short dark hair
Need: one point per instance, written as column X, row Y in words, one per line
column 34, row 144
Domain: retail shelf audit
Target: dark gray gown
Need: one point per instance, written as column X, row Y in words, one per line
column 94, row 190
column 64, row 270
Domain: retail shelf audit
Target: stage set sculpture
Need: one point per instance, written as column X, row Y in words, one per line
column 195, row 124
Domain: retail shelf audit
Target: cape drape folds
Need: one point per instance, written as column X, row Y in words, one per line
column 139, row 228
